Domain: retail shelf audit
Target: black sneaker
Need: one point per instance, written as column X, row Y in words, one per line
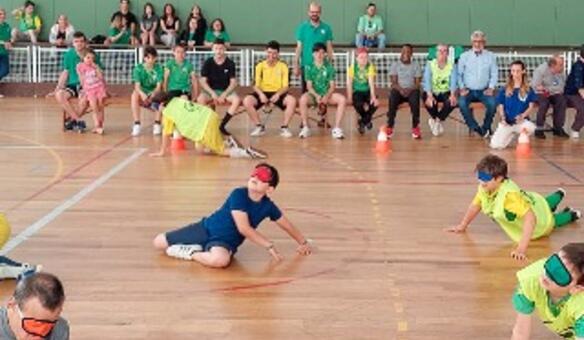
column 561, row 133
column 478, row 131
column 539, row 134
column 79, row 126
column 576, row 214
column 68, row 124
column 369, row 125
column 361, row 127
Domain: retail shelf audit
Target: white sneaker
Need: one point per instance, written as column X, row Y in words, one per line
column 285, row 132
column 305, row 132
column 433, row 127
column 574, row 134
column 183, row 251
column 8, row 271
column 259, row 130
column 135, row 130
column 255, row 154
column 337, row 133
column 156, row 129
column 236, row 152
column 439, row 127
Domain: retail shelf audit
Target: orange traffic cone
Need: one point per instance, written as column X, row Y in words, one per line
column 523, row 146
column 383, row 143
column 177, row 143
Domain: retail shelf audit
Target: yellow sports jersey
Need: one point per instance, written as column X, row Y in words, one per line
column 271, row 78
column 514, row 203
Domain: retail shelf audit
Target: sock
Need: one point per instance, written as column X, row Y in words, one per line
column 136, row 122
column 224, row 122
column 284, row 127
column 157, row 122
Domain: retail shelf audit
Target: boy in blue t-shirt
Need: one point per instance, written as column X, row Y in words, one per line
column 215, row 239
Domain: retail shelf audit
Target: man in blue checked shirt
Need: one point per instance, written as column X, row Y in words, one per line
column 477, row 79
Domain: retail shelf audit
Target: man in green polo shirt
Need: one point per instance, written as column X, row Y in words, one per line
column 147, row 79
column 69, row 87
column 5, row 45
column 309, row 33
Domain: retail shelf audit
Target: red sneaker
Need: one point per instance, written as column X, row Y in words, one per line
column 416, row 133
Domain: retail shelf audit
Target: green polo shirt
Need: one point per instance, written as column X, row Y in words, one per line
column 70, row 61
column 309, row 35
column 124, row 39
column 148, row 79
column 320, row 76
column 211, row 37
column 4, row 36
column 179, row 77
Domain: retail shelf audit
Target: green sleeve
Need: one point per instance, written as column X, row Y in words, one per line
column 361, row 25
column 521, row 303
column 332, row 72
column 159, row 74
column 380, row 23
column 579, row 327
column 209, row 36
column 136, row 74
column 299, row 33
column 308, row 73
column 66, row 62
column 112, row 32
column 226, row 36
column 329, row 34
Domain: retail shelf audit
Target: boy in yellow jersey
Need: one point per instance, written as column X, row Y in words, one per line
column 270, row 88
column 553, row 288
column 523, row 215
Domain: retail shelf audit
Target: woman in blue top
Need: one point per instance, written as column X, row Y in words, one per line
column 514, row 103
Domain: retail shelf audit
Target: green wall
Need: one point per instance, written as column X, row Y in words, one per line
column 506, row 22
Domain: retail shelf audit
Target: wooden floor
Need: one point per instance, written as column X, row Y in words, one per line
column 383, row 267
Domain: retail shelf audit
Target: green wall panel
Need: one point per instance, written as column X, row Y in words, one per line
column 448, row 24
column 403, row 18
column 495, row 18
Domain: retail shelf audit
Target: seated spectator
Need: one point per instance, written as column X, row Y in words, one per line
column 149, row 25
column 270, row 89
column 514, row 102
column 118, row 33
column 548, row 82
column 29, row 23
column 62, row 32
column 361, row 88
column 197, row 13
column 405, row 76
column 574, row 92
column 189, row 36
column 458, row 50
column 216, row 31
column 5, row 45
column 34, row 310
column 370, row 29
column 218, row 83
column 170, row 25
column 320, row 85
column 131, row 23
column 180, row 78
column 147, row 79
column 439, row 86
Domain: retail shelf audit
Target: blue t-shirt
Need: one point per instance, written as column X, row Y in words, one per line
column 515, row 105
column 221, row 226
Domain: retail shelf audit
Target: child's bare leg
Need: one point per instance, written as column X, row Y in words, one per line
column 101, row 115
column 341, row 102
column 303, row 106
column 216, row 257
column 290, row 105
column 160, row 242
column 135, row 102
column 95, row 108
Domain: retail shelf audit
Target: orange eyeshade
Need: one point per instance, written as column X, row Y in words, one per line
column 36, row 327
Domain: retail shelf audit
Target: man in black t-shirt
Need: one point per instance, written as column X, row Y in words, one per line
column 131, row 21
column 218, row 83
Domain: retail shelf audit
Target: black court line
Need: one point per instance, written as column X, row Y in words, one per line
column 559, row 168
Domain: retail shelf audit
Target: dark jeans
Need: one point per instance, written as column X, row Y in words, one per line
column 443, row 98
column 361, row 103
column 559, row 103
column 4, row 66
column 577, row 102
column 477, row 96
column 396, row 98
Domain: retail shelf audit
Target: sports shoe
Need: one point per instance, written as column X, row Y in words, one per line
column 416, row 133
column 259, row 130
column 562, row 192
column 69, row 124
column 79, row 126
column 574, row 134
column 156, row 129
column 255, row 154
column 236, row 152
column 337, row 133
column 539, row 134
column 369, row 125
column 135, row 130
column 18, row 271
column 361, row 127
column 560, row 133
column 439, row 127
column 285, row 132
column 576, row 214
column 432, row 124
column 305, row 132
column 183, row 251
column 388, row 131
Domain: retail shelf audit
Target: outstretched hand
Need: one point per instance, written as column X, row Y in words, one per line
column 458, row 229
column 304, row 249
column 518, row 255
column 276, row 256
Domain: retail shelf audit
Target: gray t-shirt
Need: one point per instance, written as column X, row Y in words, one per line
column 60, row 332
column 406, row 73
column 149, row 22
column 553, row 83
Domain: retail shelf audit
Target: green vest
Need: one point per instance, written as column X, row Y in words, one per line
column 494, row 207
column 27, row 23
column 570, row 309
column 440, row 77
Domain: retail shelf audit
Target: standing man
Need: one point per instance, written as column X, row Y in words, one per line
column 130, row 23
column 548, row 82
column 477, row 80
column 575, row 94
column 310, row 32
column 370, row 29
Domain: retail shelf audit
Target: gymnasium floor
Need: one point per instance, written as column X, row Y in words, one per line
column 383, row 266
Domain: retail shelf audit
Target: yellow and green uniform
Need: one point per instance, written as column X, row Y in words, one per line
column 195, row 122
column 440, row 77
column 361, row 76
column 148, row 79
column 179, row 77
column 564, row 317
column 28, row 22
column 271, row 78
column 4, row 37
column 70, row 61
column 123, row 40
column 508, row 205
column 320, row 76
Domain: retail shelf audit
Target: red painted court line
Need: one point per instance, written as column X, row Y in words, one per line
column 273, row 283
column 310, row 212
column 70, row 174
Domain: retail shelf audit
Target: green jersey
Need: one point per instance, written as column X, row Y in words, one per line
column 179, row 77
column 148, row 79
column 4, row 37
column 320, row 76
column 123, row 40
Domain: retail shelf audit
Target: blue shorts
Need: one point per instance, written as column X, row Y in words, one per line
column 195, row 233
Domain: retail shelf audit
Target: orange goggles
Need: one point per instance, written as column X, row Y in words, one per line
column 36, row 327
